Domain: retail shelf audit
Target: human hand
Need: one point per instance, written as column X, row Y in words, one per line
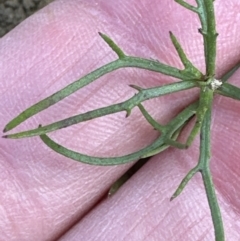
column 44, row 194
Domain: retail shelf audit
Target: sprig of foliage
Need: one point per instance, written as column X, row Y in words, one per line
column 190, row 77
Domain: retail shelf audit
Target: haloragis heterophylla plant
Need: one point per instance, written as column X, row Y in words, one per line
column 206, row 81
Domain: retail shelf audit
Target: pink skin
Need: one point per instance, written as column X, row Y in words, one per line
column 44, row 194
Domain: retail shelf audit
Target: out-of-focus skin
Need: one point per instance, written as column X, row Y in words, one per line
column 43, row 194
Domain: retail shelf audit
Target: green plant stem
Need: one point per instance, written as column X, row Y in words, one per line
column 101, row 161
column 189, row 67
column 187, row 5
column 206, row 100
column 205, row 11
column 205, row 153
column 229, row 90
column 204, row 169
column 170, row 129
column 191, row 77
column 126, row 62
column 128, row 105
column 208, row 30
column 162, row 129
column 229, row 73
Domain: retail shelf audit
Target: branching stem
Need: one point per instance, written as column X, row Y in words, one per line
column 128, row 105
column 190, row 77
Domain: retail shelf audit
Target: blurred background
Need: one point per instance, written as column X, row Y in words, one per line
column 12, row 12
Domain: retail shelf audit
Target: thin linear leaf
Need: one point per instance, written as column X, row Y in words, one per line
column 187, row 5
column 189, row 67
column 126, row 62
column 101, row 161
column 150, row 120
column 128, row 105
column 173, row 126
column 113, row 45
column 226, row 76
column 229, row 90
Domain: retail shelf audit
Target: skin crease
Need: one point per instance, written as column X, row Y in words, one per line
column 43, row 195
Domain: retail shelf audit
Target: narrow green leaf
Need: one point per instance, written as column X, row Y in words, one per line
column 229, row 90
column 226, row 76
column 150, row 120
column 187, row 5
column 113, row 45
column 189, row 67
column 104, row 161
column 173, row 126
column 163, row 147
column 184, row 182
column 128, row 105
column 71, row 88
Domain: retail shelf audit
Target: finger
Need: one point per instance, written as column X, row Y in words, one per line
column 58, row 57
column 141, row 209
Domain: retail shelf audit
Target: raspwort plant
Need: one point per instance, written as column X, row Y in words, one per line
column 209, row 86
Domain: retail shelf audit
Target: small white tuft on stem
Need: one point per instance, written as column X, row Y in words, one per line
column 215, row 84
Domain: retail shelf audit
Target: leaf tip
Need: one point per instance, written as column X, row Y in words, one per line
column 128, row 112
column 174, row 196
column 5, row 130
column 136, row 87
